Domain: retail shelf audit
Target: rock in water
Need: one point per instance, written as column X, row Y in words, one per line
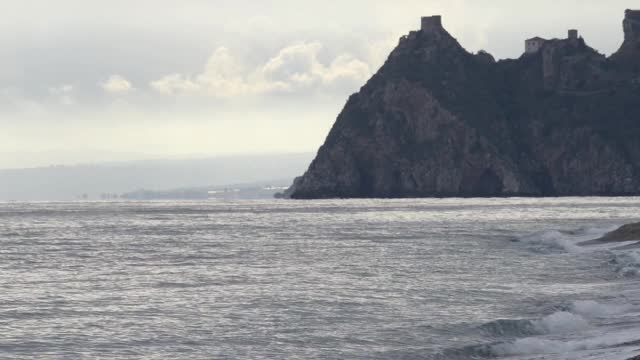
column 437, row 121
column 629, row 232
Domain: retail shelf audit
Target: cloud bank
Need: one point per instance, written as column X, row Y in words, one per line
column 295, row 69
column 210, row 77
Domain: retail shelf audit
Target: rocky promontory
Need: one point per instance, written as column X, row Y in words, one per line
column 438, row 121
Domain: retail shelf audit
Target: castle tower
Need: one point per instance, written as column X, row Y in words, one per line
column 431, row 23
column 573, row 34
column 533, row 45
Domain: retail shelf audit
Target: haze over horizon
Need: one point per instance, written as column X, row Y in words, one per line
column 87, row 81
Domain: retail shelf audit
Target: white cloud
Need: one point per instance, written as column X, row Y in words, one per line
column 346, row 71
column 175, row 84
column 295, row 69
column 296, row 65
column 117, row 84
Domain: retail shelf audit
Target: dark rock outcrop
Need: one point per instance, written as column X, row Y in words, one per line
column 628, row 56
column 438, row 121
column 628, row 232
column 631, row 25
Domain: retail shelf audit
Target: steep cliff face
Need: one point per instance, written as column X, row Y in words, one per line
column 438, row 121
column 627, row 57
column 631, row 25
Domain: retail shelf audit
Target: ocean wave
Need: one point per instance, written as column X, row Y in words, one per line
column 594, row 309
column 557, row 323
column 548, row 241
column 559, row 333
column 561, row 322
column 586, row 328
column 510, row 328
column 536, row 345
column 578, row 327
column 465, row 353
column 626, row 262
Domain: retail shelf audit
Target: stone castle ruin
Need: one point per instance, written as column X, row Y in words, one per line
column 562, row 59
column 431, row 23
column 573, row 34
column 533, row 45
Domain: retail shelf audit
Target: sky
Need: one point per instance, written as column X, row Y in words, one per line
column 95, row 80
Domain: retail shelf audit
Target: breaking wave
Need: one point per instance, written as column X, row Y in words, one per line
column 542, row 336
column 510, row 328
column 587, row 327
column 548, row 241
column 556, row 323
column 533, row 345
column 465, row 353
column 561, row 322
column 594, row 309
column 626, row 262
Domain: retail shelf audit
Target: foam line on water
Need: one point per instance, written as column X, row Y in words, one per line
column 594, row 309
column 627, row 262
column 557, row 323
column 561, row 322
column 587, row 329
column 538, row 345
column 566, row 241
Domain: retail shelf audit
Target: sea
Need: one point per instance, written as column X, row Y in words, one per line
column 332, row 279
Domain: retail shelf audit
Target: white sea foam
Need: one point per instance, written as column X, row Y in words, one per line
column 561, row 322
column 594, row 309
column 628, row 262
column 579, row 332
column 550, row 240
column 534, row 345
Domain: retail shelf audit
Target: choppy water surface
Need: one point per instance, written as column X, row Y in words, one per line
column 361, row 279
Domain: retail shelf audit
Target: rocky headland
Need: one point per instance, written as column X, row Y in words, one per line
column 438, row 121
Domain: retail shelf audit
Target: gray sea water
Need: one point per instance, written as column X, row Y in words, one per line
column 357, row 279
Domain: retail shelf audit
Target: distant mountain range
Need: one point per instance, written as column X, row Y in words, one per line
column 153, row 178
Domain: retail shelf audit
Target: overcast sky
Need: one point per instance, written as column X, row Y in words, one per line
column 98, row 80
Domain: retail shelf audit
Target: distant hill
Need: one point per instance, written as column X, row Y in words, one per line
column 438, row 121
column 108, row 179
